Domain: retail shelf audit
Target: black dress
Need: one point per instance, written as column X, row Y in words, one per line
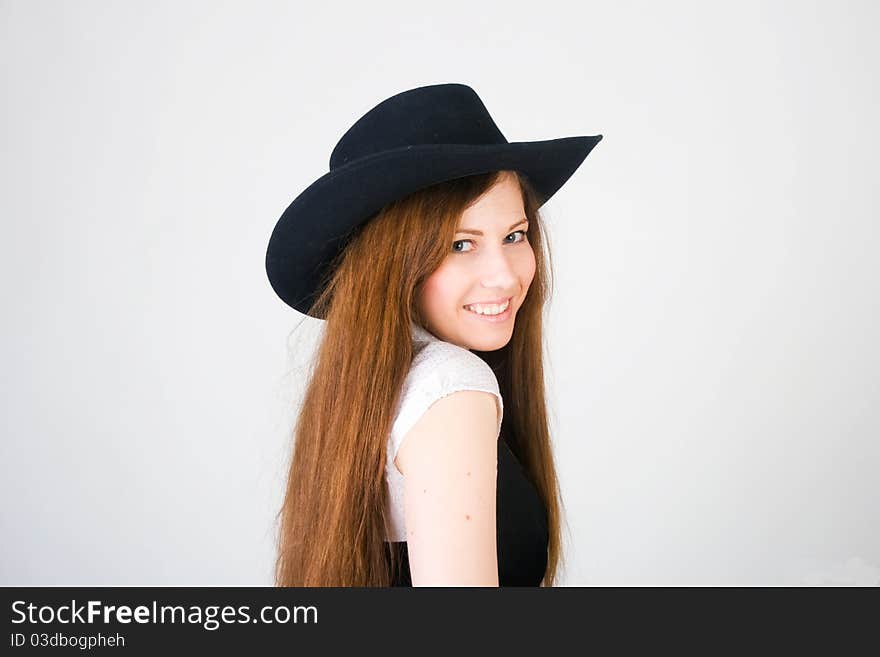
column 521, row 528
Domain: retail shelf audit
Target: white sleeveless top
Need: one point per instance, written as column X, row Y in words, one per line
column 438, row 369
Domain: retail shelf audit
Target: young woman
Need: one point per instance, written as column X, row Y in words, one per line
column 422, row 454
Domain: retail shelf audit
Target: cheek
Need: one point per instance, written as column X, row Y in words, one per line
column 438, row 291
column 526, row 269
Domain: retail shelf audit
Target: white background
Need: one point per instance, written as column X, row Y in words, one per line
column 713, row 339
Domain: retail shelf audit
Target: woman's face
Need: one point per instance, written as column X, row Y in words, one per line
column 491, row 264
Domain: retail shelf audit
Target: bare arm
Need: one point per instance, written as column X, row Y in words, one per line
column 449, row 460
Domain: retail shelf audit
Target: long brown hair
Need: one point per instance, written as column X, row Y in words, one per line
column 333, row 523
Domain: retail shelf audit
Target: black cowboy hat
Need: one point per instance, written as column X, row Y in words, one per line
column 412, row 140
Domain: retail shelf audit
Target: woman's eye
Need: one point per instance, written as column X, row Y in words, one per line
column 522, row 234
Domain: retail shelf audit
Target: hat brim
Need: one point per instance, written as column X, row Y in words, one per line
column 314, row 226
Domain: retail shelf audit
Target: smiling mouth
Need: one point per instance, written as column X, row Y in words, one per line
column 489, row 309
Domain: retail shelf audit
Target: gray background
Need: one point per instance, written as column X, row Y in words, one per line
column 713, row 340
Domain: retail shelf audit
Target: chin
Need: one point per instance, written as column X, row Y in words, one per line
column 489, row 343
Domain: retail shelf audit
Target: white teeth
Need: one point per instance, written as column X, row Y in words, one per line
column 490, row 308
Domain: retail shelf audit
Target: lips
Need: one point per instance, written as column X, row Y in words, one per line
column 491, row 306
column 490, row 302
column 501, row 317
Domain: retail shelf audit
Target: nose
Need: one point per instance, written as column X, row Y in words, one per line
column 497, row 272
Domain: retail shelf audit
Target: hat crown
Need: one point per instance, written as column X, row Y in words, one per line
column 431, row 115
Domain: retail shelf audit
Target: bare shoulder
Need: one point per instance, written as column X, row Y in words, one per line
column 459, row 426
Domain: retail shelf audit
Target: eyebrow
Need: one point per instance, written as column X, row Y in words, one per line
column 480, row 233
